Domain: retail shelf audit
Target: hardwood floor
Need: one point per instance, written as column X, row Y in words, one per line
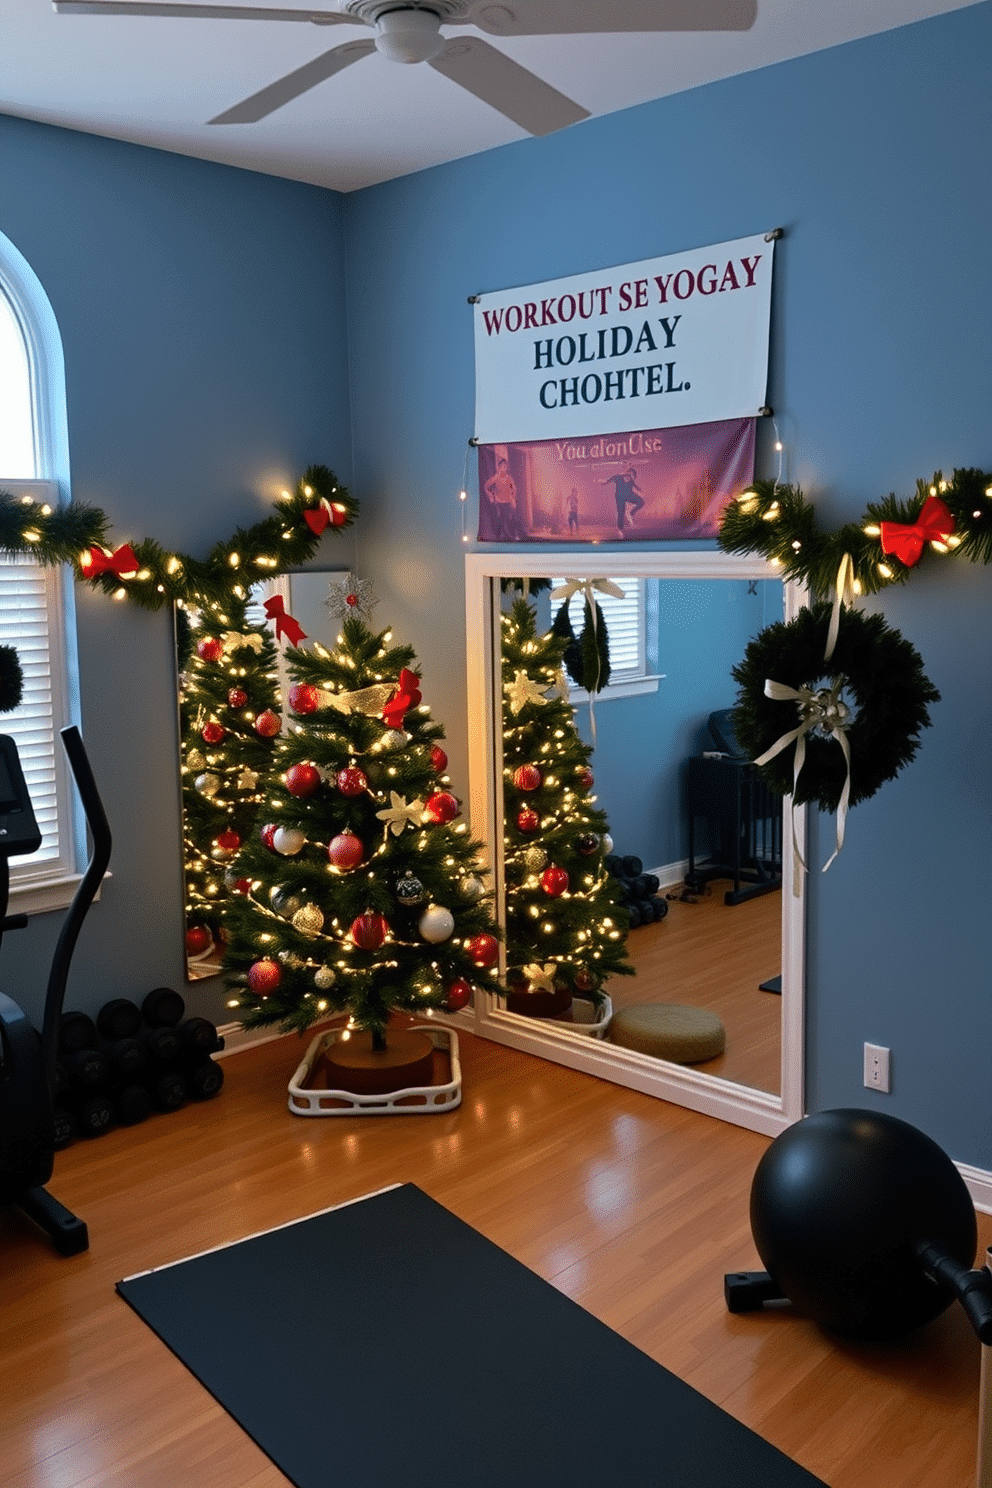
column 632, row 1207
column 714, row 955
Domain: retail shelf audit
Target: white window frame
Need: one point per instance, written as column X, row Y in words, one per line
column 625, row 681
column 35, row 888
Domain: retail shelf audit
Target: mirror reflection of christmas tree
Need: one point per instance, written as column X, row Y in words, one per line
column 364, row 895
column 565, row 928
column 229, row 720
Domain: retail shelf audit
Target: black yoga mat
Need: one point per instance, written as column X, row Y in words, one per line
column 385, row 1342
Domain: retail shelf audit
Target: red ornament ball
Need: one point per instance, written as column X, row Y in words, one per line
column 302, row 780
column 198, row 940
column 483, row 949
column 209, row 649
column 584, row 979
column 268, row 833
column 236, row 697
column 439, row 759
column 554, row 880
column 264, row 977
column 303, row 698
column 369, row 930
column 212, row 733
column 268, row 724
column 441, row 807
column 527, row 777
column 351, row 781
column 459, row 995
column 527, row 820
column 346, row 850
column 229, row 840
column 242, row 886
column 585, row 777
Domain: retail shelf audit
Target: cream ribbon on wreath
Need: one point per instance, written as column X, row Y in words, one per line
column 587, row 587
column 821, row 709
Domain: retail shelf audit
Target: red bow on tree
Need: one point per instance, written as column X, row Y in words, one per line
column 406, row 696
column 122, row 562
column 934, row 524
column 285, row 625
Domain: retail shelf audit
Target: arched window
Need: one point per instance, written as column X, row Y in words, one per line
column 36, row 612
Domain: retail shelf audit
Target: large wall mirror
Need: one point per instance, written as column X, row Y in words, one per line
column 731, row 942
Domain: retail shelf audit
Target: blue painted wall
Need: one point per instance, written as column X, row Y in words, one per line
column 875, row 157
column 205, row 313
column 202, row 318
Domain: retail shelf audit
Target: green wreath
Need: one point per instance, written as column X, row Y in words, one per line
column 883, row 694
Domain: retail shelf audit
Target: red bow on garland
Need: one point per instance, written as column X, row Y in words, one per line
column 318, row 517
column 122, row 562
column 934, row 524
column 285, row 625
column 406, row 696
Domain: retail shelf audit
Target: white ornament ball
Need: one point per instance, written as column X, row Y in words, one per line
column 472, row 889
column 208, row 784
column 436, row 923
column 607, row 842
column 308, row 921
column 288, row 841
column 394, row 739
column 324, row 977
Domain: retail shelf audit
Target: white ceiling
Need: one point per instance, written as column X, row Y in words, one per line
column 156, row 81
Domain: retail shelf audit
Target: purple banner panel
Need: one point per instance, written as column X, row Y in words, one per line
column 650, row 486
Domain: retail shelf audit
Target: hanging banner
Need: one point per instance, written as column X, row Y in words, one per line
column 650, row 345
column 649, row 486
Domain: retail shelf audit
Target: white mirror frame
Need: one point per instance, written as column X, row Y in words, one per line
column 681, row 1084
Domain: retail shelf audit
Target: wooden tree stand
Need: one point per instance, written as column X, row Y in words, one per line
column 352, row 1064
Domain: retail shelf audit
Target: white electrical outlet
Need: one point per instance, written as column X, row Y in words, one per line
column 877, row 1067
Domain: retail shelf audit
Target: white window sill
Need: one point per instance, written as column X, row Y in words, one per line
column 635, row 687
column 42, row 895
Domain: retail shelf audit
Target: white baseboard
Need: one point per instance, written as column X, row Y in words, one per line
column 979, row 1184
column 237, row 1038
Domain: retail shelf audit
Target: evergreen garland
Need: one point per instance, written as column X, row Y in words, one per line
column 11, row 679
column 778, row 522
column 284, row 540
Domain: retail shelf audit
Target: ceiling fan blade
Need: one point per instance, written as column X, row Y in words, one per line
column 580, row 17
column 199, row 12
column 506, row 86
column 285, row 89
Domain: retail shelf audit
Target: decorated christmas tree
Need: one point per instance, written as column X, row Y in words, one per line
column 363, row 888
column 565, row 929
column 229, row 718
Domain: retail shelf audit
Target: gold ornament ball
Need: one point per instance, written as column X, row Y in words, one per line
column 535, row 858
column 308, row 921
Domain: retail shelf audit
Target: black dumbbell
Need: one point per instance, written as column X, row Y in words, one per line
column 118, row 1019
column 162, row 1045
column 127, row 1058
column 94, row 1116
column 168, row 1091
column 77, row 1031
column 132, row 1103
column 163, row 1008
column 87, row 1070
column 66, row 1127
column 205, row 1080
column 631, row 866
column 198, row 1039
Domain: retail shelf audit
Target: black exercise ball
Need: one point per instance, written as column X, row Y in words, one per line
column 839, row 1203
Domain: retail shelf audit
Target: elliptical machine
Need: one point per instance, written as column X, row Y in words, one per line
column 27, row 1059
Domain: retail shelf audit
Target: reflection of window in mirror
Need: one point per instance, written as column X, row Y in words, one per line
column 632, row 626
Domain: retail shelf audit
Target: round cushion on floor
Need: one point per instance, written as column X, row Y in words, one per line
column 669, row 1030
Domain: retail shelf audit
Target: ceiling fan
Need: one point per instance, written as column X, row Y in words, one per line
column 411, row 32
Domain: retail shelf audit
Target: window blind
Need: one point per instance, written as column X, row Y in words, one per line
column 624, row 623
